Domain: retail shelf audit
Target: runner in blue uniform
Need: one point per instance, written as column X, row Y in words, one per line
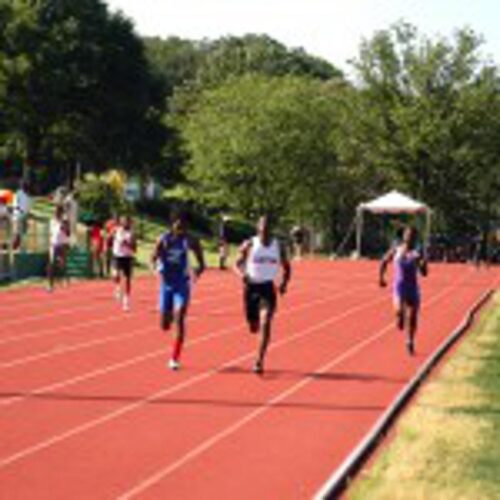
column 171, row 254
column 408, row 262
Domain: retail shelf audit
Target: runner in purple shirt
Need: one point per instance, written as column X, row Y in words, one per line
column 408, row 262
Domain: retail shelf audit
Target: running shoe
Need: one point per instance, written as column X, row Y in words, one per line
column 173, row 364
column 126, row 303
column 410, row 347
column 258, row 368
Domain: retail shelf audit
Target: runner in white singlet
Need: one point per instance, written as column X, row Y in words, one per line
column 259, row 263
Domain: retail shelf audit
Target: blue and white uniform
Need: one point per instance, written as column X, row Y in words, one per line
column 173, row 259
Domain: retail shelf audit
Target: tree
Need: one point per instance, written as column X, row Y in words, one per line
column 189, row 68
column 78, row 85
column 422, row 120
column 263, row 144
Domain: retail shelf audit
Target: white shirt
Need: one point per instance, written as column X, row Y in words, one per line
column 58, row 236
column 263, row 262
column 122, row 243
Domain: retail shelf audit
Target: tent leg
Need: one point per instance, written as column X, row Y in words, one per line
column 359, row 231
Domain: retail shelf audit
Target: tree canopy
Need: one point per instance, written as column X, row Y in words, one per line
column 248, row 124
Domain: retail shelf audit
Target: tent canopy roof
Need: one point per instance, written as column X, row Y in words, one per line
column 394, row 203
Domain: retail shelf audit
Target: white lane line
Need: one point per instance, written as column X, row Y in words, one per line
column 62, row 349
column 126, row 409
column 216, row 438
column 116, row 315
column 56, row 313
column 136, row 360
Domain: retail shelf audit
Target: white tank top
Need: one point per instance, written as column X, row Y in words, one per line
column 263, row 262
column 122, row 243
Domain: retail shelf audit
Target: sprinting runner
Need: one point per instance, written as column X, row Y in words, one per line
column 171, row 258
column 258, row 264
column 124, row 247
column 59, row 244
column 408, row 262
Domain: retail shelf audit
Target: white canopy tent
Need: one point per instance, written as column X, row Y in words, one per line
column 391, row 203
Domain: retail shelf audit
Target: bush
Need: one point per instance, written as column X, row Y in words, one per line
column 100, row 200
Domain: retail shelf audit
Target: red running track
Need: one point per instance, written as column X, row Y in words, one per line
column 89, row 410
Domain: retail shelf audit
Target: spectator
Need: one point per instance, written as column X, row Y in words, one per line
column 20, row 212
column 71, row 209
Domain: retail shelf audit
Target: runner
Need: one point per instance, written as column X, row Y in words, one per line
column 20, row 213
column 258, row 264
column 406, row 293
column 297, row 236
column 124, row 247
column 59, row 244
column 171, row 253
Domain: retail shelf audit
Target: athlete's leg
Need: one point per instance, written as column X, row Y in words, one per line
column 63, row 252
column 181, row 303
column 51, row 267
column 127, row 274
column 180, row 331
column 399, row 310
column 251, row 303
column 117, row 272
column 166, row 305
column 269, row 307
column 413, row 309
column 267, row 318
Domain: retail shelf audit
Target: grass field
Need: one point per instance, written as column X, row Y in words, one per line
column 446, row 446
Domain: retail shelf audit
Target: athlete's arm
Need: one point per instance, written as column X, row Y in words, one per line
column 239, row 265
column 423, row 265
column 197, row 249
column 133, row 243
column 287, row 270
column 383, row 265
column 156, row 252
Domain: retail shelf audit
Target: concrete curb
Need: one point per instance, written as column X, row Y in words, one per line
column 341, row 478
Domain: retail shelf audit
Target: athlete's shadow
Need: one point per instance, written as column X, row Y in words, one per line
column 188, row 402
column 319, row 376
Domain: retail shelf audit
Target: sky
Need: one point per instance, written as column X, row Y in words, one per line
column 331, row 29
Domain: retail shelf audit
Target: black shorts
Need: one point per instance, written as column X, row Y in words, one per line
column 124, row 264
column 257, row 296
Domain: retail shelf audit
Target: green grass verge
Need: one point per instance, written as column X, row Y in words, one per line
column 446, row 446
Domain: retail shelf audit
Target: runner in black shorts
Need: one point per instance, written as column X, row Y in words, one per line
column 258, row 263
column 124, row 247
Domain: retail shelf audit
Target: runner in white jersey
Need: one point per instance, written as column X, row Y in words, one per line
column 124, row 246
column 259, row 263
column 59, row 244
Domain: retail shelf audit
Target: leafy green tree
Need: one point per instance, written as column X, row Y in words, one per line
column 422, row 119
column 236, row 56
column 261, row 144
column 78, row 87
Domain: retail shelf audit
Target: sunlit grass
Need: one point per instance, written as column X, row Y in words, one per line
column 446, row 446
